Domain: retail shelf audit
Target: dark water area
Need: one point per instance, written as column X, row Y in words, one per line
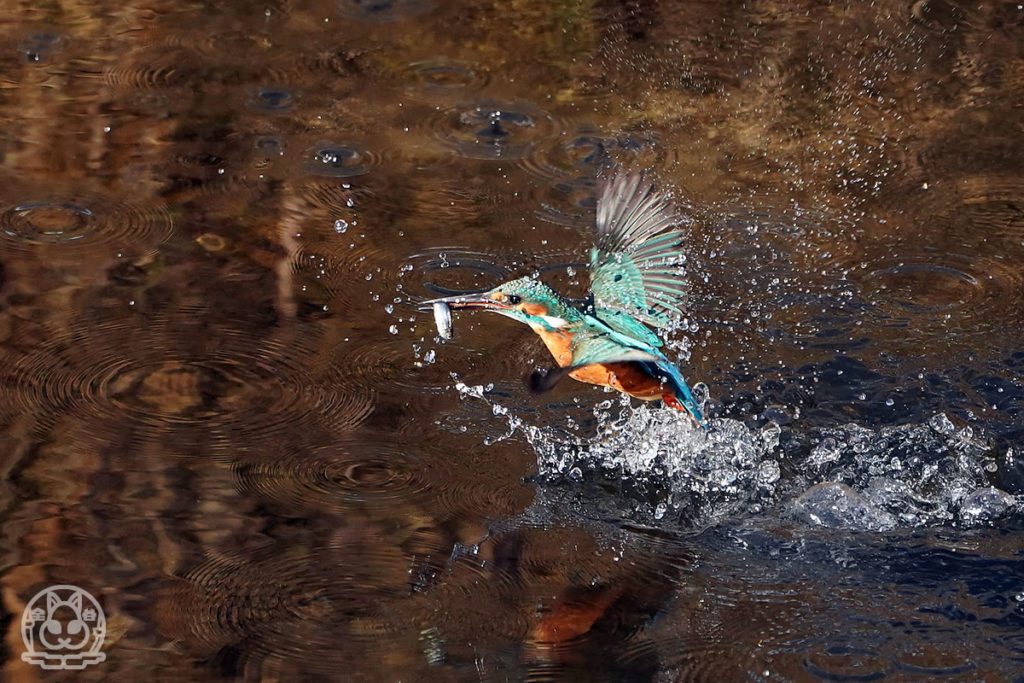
column 223, row 415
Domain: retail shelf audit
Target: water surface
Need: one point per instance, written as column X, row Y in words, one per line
column 222, row 414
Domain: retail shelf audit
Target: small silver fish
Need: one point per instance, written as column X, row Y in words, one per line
column 443, row 319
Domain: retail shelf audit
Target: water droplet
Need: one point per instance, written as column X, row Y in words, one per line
column 941, row 424
column 39, row 46
column 337, row 160
column 491, row 130
column 986, row 504
column 768, row 472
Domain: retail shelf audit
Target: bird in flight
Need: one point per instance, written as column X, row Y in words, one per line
column 636, row 282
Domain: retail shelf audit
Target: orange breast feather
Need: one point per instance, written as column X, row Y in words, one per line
column 629, row 377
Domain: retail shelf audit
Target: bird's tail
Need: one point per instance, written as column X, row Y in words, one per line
column 670, row 375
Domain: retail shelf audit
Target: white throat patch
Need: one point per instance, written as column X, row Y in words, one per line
column 555, row 322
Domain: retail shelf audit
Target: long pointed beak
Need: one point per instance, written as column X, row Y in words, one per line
column 464, row 301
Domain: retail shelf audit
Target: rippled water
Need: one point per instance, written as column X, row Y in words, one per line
column 223, row 415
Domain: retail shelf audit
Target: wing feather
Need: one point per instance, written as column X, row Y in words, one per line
column 636, row 267
column 594, row 345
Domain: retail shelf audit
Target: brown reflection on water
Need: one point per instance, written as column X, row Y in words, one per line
column 217, row 410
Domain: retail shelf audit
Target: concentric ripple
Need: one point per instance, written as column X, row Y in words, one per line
column 273, row 99
column 590, row 151
column 412, row 360
column 328, row 194
column 338, row 159
column 240, row 387
column 40, row 46
column 492, row 129
column 323, row 600
column 338, row 478
column 993, row 205
column 442, row 77
column 937, row 16
column 962, row 296
column 48, row 222
column 332, row 271
column 447, row 271
column 186, row 390
column 396, row 362
column 588, row 87
column 31, row 55
column 927, row 286
column 320, row 281
column 981, row 212
column 155, row 67
column 83, row 219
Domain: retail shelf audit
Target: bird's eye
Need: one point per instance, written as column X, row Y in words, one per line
column 514, row 299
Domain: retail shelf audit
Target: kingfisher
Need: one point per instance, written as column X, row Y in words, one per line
column 636, row 283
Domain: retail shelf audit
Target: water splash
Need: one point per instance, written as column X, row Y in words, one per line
column 492, row 130
column 338, row 159
column 666, row 470
column 914, row 475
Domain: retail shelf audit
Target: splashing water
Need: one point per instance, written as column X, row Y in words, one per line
column 662, row 468
column 907, row 475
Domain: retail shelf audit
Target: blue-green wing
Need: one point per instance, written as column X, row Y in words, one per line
column 637, row 265
column 596, row 343
column 624, row 323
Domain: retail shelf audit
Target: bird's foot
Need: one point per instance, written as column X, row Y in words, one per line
column 672, row 402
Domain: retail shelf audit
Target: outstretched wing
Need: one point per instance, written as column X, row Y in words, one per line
column 593, row 345
column 636, row 266
column 625, row 324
